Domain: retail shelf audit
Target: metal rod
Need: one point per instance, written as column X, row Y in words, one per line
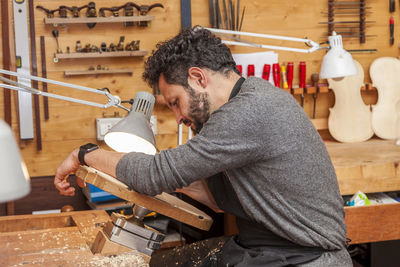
column 112, row 100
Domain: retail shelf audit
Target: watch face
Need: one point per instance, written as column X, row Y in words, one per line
column 90, row 147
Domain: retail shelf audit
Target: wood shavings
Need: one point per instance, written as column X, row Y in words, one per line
column 129, row 259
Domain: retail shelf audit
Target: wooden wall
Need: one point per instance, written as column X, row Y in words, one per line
column 71, row 125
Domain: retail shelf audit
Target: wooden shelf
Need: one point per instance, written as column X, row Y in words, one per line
column 138, row 53
column 80, row 20
column 97, row 72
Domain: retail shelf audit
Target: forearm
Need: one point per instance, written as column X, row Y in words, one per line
column 103, row 160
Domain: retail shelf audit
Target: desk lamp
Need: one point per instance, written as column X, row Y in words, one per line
column 14, row 177
column 133, row 133
column 336, row 63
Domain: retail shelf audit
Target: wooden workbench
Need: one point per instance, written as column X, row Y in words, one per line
column 62, row 239
column 371, row 166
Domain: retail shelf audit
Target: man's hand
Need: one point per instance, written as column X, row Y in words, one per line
column 69, row 165
column 102, row 160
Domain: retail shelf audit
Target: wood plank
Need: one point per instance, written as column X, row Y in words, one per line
column 164, row 203
column 373, row 223
column 370, row 166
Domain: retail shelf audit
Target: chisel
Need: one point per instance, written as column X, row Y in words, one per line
column 391, row 23
column 302, row 84
column 266, row 72
column 250, row 70
column 276, row 74
column 315, row 79
column 290, row 75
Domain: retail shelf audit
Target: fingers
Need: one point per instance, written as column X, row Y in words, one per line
column 80, row 182
column 65, row 188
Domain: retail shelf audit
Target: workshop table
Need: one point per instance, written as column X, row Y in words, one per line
column 62, row 239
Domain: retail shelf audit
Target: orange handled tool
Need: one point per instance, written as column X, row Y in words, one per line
column 276, row 74
column 284, row 80
column 266, row 72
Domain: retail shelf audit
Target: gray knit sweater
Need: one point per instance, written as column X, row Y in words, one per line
column 273, row 156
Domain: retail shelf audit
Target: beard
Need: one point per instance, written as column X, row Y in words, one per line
column 199, row 109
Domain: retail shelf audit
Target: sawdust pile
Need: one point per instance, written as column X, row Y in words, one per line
column 129, row 259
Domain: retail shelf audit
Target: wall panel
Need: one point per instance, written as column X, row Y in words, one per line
column 71, row 125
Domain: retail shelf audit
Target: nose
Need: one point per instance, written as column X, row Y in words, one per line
column 178, row 116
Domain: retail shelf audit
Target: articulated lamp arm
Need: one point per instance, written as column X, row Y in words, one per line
column 113, row 101
column 234, row 35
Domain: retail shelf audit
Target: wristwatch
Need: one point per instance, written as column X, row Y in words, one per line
column 83, row 150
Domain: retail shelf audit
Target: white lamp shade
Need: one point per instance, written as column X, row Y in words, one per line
column 14, row 178
column 132, row 134
column 337, row 62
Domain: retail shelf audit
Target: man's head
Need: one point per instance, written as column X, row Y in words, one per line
column 188, row 70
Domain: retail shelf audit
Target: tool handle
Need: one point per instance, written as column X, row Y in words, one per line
column 250, row 70
column 240, row 69
column 392, row 6
column 284, row 80
column 276, row 74
column 266, row 72
column 55, row 33
column 302, row 73
column 391, row 21
column 289, row 75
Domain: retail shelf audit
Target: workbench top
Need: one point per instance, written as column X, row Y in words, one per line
column 371, row 166
column 62, row 239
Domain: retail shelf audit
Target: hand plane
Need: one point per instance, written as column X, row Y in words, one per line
column 132, row 233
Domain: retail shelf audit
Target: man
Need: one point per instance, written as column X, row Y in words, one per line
column 260, row 156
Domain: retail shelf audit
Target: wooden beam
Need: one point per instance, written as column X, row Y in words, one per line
column 164, row 203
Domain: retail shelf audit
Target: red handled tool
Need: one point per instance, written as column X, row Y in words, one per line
column 276, row 74
column 391, row 21
column 266, row 72
column 250, row 70
column 240, row 69
column 302, row 83
column 289, row 75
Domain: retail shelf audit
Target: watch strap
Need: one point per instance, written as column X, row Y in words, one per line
column 83, row 150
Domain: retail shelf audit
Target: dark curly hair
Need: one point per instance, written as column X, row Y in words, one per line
column 196, row 47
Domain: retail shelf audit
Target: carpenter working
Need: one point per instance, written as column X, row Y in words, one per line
column 257, row 151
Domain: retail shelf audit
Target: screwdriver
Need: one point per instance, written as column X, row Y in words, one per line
column 276, row 74
column 250, row 70
column 266, row 72
column 289, row 75
column 391, row 21
column 315, row 79
column 302, row 83
column 284, row 80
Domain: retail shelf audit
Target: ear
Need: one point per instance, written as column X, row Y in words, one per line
column 197, row 77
